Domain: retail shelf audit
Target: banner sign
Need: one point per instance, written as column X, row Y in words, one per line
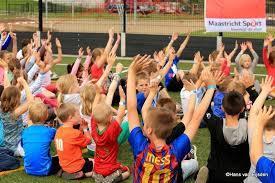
column 235, row 15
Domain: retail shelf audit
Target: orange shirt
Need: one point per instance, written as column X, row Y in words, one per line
column 68, row 143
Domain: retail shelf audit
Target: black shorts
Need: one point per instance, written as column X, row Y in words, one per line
column 88, row 166
column 175, row 85
column 55, row 166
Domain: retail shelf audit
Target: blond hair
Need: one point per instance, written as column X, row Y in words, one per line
column 65, row 84
column 237, row 86
column 38, row 111
column 87, row 95
column 65, row 111
column 243, row 58
column 101, row 113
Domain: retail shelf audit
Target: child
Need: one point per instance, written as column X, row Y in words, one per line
column 267, row 139
column 243, row 61
column 229, row 145
column 10, row 115
column 105, row 132
column 69, row 141
column 269, row 58
column 265, row 167
column 36, row 142
column 154, row 160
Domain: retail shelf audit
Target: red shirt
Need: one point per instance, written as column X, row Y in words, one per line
column 269, row 68
column 68, row 143
column 96, row 72
column 224, row 68
column 106, row 148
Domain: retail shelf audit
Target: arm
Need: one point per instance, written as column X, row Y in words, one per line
column 191, row 102
column 107, row 49
column 254, row 54
column 121, row 109
column 111, row 60
column 203, row 106
column 24, row 107
column 197, row 63
column 57, row 60
column 148, row 102
column 232, row 53
column 166, row 68
column 14, row 44
column 174, row 37
column 183, row 45
column 77, row 62
column 266, row 89
column 257, row 140
column 137, row 64
column 115, row 47
column 237, row 59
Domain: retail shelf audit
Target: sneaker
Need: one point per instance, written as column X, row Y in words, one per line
column 193, row 153
column 72, row 176
column 202, row 175
column 54, row 76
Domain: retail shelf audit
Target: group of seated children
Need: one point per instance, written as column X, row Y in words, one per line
column 97, row 108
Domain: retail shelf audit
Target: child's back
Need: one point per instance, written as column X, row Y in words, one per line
column 36, row 141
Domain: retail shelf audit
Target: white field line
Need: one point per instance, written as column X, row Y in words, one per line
column 130, row 58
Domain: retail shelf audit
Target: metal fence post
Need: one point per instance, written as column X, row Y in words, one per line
column 123, row 34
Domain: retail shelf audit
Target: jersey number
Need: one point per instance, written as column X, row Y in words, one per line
column 59, row 144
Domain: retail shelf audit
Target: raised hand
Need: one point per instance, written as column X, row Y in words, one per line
column 175, row 36
column 189, row 85
column 207, row 77
column 236, row 45
column 13, row 36
column 118, row 37
column 80, row 52
column 198, row 58
column 111, row 32
column 111, row 58
column 267, row 84
column 247, row 79
column 243, row 46
column 89, row 51
column 249, row 45
column 3, row 64
column 219, row 77
column 139, row 63
column 57, row 43
column 265, row 115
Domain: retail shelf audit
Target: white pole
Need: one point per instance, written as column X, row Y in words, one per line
column 219, row 40
column 72, row 9
column 123, row 44
column 135, row 10
column 46, row 7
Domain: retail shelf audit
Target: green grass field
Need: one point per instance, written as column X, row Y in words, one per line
column 202, row 141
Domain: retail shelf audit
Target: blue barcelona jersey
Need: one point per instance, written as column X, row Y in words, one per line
column 152, row 165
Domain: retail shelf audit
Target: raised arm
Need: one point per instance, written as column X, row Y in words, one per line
column 257, row 139
column 148, row 102
column 4, row 65
column 266, row 89
column 197, row 63
column 183, row 45
column 121, row 108
column 58, row 59
column 232, row 53
column 194, row 124
column 111, row 60
column 77, row 62
column 24, row 107
column 115, row 47
column 254, row 54
column 169, row 64
column 174, row 37
column 138, row 64
column 190, row 86
column 114, row 84
column 237, row 59
column 107, row 49
column 14, row 44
